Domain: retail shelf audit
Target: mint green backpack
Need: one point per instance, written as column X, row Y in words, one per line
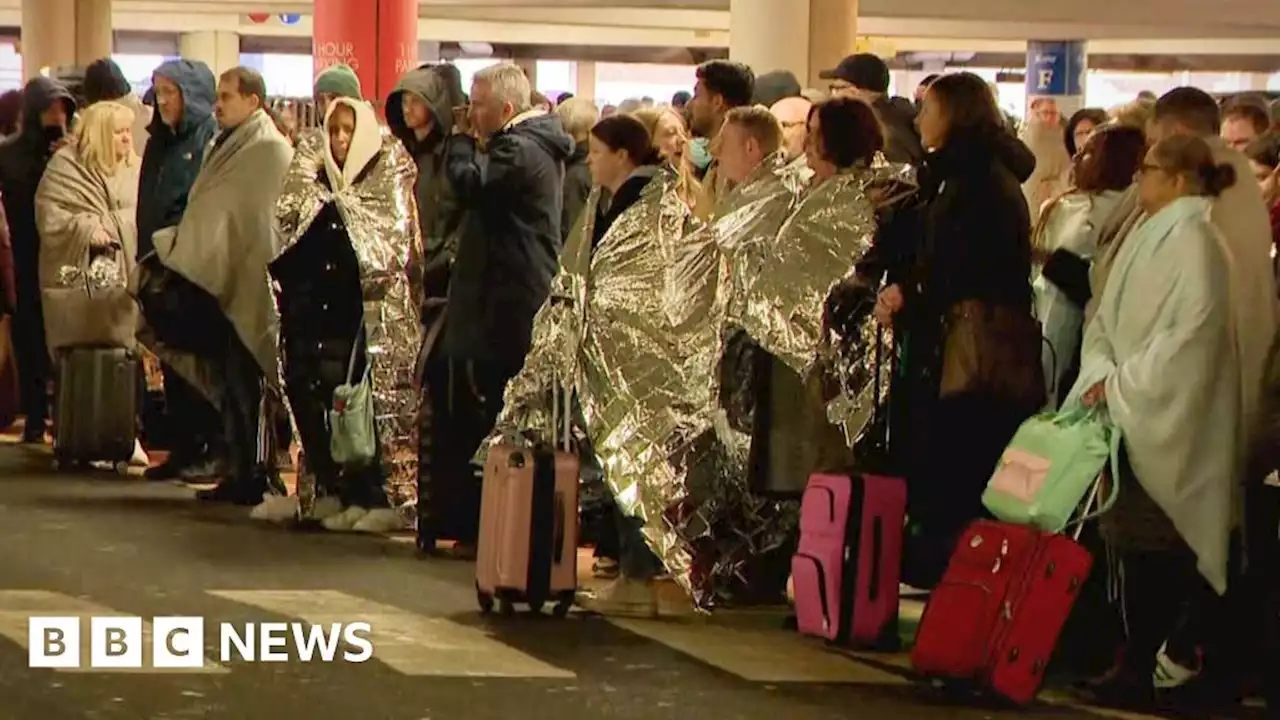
column 353, row 441
column 1051, row 465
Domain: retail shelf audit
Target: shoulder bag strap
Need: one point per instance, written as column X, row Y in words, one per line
column 355, row 351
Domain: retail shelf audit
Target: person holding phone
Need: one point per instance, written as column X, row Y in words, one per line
column 505, row 163
column 47, row 112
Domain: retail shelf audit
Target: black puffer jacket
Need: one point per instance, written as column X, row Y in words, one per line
column 510, row 243
column 439, row 214
column 320, row 304
column 23, row 158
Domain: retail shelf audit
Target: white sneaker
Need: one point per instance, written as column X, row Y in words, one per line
column 140, row 458
column 325, row 508
column 344, row 521
column 276, row 509
column 380, row 521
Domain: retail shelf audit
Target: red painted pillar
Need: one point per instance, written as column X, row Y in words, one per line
column 377, row 38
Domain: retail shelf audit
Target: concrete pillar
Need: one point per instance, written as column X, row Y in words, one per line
column 94, row 39
column 219, row 50
column 833, row 35
column 378, row 39
column 803, row 36
column 64, row 33
column 1057, row 69
column 586, row 80
column 47, row 41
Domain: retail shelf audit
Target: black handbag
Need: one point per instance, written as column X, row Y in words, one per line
column 182, row 315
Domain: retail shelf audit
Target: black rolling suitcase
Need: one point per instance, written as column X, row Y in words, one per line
column 95, row 407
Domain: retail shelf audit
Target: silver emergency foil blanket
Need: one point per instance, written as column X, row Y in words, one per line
column 381, row 216
column 637, row 330
column 779, row 288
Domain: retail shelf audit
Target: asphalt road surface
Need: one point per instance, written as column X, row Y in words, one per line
column 84, row 545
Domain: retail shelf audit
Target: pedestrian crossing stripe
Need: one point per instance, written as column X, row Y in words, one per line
column 18, row 606
column 409, row 643
column 419, row 645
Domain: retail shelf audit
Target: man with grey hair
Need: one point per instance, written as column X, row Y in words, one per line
column 506, row 163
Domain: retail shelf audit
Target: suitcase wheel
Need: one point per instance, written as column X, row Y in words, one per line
column 66, row 464
column 506, row 607
column 535, row 606
column 122, row 468
column 485, row 600
column 563, row 605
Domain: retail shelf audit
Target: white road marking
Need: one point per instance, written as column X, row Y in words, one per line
column 18, row 606
column 412, row 644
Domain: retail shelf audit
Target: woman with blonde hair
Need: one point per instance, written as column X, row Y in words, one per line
column 87, row 198
column 86, row 211
column 670, row 136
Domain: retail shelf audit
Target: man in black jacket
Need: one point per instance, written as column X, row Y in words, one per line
column 181, row 129
column 508, row 253
column 420, row 113
column 47, row 111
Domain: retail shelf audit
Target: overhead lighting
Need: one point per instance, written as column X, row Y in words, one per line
column 476, row 49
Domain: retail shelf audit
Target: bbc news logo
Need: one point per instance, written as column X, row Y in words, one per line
column 178, row 642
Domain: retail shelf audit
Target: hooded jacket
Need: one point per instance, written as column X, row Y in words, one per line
column 23, row 158
column 510, row 244
column 439, row 215
column 174, row 155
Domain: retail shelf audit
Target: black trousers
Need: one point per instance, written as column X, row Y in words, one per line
column 967, row 435
column 466, row 399
column 194, row 424
column 310, row 383
column 35, row 369
column 241, row 407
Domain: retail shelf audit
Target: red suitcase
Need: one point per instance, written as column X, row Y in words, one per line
column 995, row 618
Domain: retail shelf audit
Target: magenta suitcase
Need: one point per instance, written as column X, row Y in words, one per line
column 845, row 572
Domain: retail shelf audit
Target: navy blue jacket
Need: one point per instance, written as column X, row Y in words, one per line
column 510, row 243
column 23, row 158
column 174, row 155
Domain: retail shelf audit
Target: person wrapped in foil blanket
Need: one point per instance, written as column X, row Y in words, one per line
column 640, row 328
column 369, row 205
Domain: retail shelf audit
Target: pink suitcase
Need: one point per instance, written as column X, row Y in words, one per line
column 528, row 545
column 845, row 572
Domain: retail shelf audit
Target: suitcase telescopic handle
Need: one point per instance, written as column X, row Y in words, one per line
column 558, row 525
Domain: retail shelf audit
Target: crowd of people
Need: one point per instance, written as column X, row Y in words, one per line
column 716, row 283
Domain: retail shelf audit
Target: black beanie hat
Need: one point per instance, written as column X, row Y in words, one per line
column 104, row 80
